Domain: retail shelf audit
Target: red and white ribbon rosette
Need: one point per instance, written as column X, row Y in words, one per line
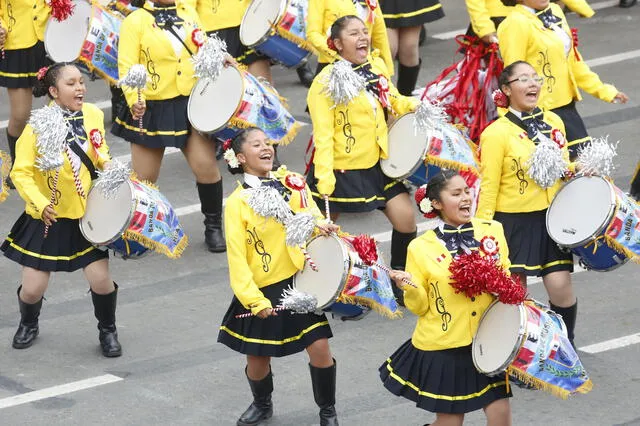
column 489, row 245
column 96, row 139
column 558, row 138
column 298, row 183
column 383, row 91
column 198, row 37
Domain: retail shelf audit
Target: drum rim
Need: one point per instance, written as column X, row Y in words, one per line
column 418, row 164
column 284, row 5
column 124, row 227
column 625, row 259
column 49, row 22
column 522, row 333
column 602, row 228
column 347, row 265
column 242, row 78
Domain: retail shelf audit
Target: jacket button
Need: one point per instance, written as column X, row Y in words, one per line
column 473, row 299
column 35, row 18
column 179, row 72
column 473, row 314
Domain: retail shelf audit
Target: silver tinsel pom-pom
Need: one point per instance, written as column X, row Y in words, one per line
column 136, row 78
column 344, row 83
column 546, row 164
column 266, row 201
column 596, row 157
column 209, row 60
column 51, row 131
column 298, row 301
column 299, row 228
column 429, row 116
column 110, row 180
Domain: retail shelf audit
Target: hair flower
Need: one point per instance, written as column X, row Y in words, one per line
column 230, row 155
column 41, row 73
column 331, row 44
column 424, row 203
column 500, row 99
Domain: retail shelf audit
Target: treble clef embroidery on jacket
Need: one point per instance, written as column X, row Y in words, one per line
column 517, row 167
column 56, row 193
column 343, row 121
column 546, row 70
column 442, row 310
column 12, row 19
column 254, row 240
column 151, row 68
column 215, row 4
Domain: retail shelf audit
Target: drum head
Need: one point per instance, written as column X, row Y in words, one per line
column 106, row 219
column 258, row 20
column 580, row 210
column 497, row 338
column 407, row 149
column 213, row 104
column 332, row 259
column 63, row 41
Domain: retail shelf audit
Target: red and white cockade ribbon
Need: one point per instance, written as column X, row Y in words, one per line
column 298, row 183
column 198, row 37
column 95, row 136
column 489, row 245
column 383, row 91
column 76, row 177
column 558, row 138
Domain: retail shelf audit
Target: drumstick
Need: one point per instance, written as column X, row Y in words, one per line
column 52, row 199
column 312, row 264
column 388, row 271
column 250, row 314
column 140, row 129
column 326, row 207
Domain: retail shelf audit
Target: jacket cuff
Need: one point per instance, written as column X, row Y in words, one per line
column 261, row 305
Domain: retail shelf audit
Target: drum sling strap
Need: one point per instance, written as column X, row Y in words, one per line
column 169, row 27
column 84, row 158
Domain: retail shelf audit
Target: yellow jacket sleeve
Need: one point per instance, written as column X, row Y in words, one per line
column 241, row 277
column 24, row 169
column 581, row 7
column 514, row 36
column 315, row 34
column 322, row 115
column 505, row 262
column 103, row 152
column 416, row 299
column 589, row 81
column 480, row 18
column 380, row 40
column 492, row 153
column 129, row 55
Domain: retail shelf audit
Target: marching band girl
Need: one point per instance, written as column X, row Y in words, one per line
column 162, row 37
column 404, row 20
column 351, row 139
column 63, row 248
column 261, row 266
column 511, row 196
column 537, row 32
column 435, row 367
column 21, row 31
column 323, row 13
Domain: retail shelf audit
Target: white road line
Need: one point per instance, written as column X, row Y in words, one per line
column 604, row 4
column 608, row 345
column 58, row 390
column 612, row 59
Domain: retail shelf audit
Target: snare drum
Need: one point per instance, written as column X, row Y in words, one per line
column 89, row 36
column 530, row 343
column 343, row 282
column 597, row 221
column 277, row 29
column 237, row 100
column 136, row 219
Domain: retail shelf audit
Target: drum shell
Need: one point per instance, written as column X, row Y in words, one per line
column 401, row 133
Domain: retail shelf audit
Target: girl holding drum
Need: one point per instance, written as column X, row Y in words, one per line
column 511, row 196
column 261, row 266
column 21, row 31
column 161, row 37
column 537, row 32
column 351, row 139
column 323, row 13
column 46, row 237
column 435, row 367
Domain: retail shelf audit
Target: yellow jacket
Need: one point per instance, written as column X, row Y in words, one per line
column 219, row 14
column 445, row 319
column 504, row 183
column 256, row 250
column 24, row 20
column 33, row 184
column 523, row 37
column 350, row 137
column 142, row 42
column 323, row 13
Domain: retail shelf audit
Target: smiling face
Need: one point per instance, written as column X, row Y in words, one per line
column 69, row 89
column 523, row 96
column 354, row 42
column 455, row 202
column 256, row 157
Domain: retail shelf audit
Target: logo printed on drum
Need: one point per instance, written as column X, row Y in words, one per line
column 571, row 231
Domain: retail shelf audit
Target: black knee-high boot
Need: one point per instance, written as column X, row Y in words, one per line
column 28, row 329
column 261, row 408
column 104, row 308
column 569, row 316
column 407, row 78
column 11, row 141
column 399, row 243
column 210, row 195
column 323, row 381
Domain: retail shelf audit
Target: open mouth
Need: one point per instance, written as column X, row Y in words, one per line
column 465, row 209
column 532, row 95
column 266, row 156
column 363, row 48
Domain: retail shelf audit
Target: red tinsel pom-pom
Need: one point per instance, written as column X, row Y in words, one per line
column 366, row 248
column 470, row 274
column 508, row 289
column 61, row 9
